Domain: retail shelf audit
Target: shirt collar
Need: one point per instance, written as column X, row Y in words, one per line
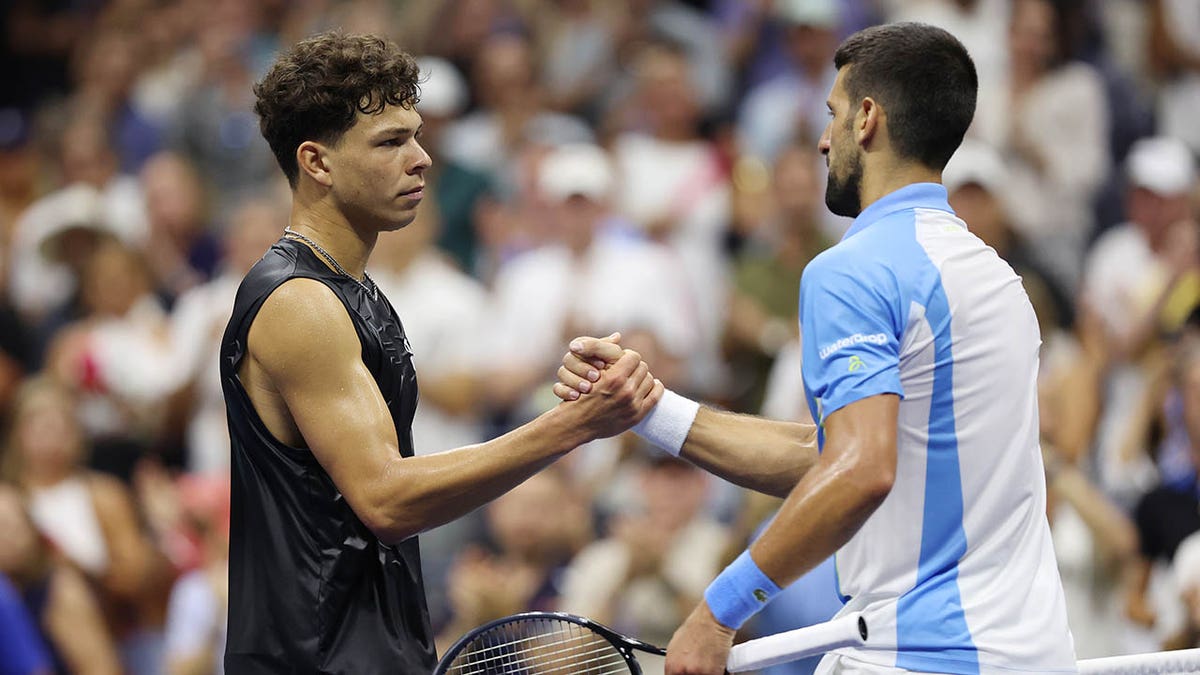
column 913, row 196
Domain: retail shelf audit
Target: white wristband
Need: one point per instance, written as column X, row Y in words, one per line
column 668, row 423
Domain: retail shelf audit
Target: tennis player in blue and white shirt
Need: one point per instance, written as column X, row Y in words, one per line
column 923, row 472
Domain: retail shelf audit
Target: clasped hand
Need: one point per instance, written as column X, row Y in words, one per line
column 615, row 383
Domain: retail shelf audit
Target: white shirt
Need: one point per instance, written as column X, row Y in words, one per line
column 955, row 571
column 620, row 284
column 443, row 312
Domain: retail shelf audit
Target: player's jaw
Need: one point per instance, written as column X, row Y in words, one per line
column 844, row 184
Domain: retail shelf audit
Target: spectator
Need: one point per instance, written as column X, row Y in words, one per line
column 589, row 266
column 63, row 609
column 675, row 187
column 511, row 116
column 791, row 105
column 1049, row 119
column 54, row 237
column 444, row 311
column 1166, row 516
column 1095, row 543
column 536, row 528
column 106, row 67
column 1173, row 45
column 195, row 626
column 180, row 247
column 763, row 310
column 196, row 325
column 660, row 552
column 692, row 31
column 812, row 598
column 89, row 516
column 117, row 357
column 215, row 126
column 579, row 54
column 978, row 24
column 457, row 189
column 1126, row 272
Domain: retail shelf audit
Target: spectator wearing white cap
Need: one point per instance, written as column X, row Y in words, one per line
column 54, row 236
column 1126, row 271
column 592, row 279
column 1161, row 176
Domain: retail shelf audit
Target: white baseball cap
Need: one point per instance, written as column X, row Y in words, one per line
column 1161, row 164
column 816, row 13
column 443, row 88
column 975, row 163
column 576, row 169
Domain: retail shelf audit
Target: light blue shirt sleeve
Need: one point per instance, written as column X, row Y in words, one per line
column 851, row 325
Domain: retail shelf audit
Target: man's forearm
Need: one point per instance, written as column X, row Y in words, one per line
column 420, row 493
column 827, row 507
column 765, row 455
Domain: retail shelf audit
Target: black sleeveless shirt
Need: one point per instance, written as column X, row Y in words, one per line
column 311, row 590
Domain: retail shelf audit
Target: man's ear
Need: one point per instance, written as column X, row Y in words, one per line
column 313, row 159
column 867, row 121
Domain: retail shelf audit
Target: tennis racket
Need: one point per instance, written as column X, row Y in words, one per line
column 554, row 643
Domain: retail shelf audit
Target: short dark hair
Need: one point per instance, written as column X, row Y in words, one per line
column 316, row 89
column 925, row 80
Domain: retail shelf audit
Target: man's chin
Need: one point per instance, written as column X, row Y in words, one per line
column 400, row 223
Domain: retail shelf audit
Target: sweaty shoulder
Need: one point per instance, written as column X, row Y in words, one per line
column 301, row 322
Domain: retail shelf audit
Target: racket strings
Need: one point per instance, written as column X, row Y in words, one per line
column 544, row 648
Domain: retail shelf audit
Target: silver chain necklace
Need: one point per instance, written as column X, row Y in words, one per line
column 368, row 284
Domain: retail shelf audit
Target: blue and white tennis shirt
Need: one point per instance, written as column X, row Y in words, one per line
column 955, row 571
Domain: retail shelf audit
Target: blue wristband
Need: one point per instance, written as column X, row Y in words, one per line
column 739, row 591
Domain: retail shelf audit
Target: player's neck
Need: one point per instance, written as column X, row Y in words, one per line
column 329, row 229
column 881, row 181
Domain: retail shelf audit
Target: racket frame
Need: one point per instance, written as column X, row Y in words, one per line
column 624, row 644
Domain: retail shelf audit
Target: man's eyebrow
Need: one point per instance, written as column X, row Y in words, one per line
column 397, row 131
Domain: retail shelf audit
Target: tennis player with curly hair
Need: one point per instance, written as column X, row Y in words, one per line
column 318, row 378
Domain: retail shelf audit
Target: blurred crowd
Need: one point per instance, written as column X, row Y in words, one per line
column 642, row 166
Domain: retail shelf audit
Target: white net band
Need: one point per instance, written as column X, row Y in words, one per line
column 1156, row 663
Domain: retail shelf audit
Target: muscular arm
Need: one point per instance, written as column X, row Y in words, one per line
column 768, row 456
column 849, row 481
column 305, row 375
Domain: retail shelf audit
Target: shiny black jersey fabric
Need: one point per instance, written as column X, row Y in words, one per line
column 311, row 590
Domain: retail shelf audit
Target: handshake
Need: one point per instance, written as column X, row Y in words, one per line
column 606, row 388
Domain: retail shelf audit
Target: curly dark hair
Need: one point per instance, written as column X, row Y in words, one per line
column 315, row 91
